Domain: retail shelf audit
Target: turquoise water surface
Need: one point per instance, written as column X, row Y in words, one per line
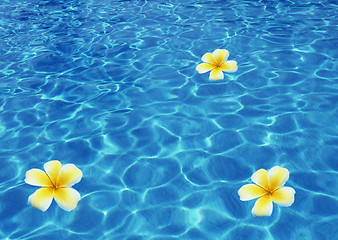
column 111, row 87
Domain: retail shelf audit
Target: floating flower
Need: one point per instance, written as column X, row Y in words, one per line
column 268, row 188
column 55, row 183
column 217, row 62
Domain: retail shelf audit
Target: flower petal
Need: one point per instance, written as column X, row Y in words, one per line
column 284, row 196
column 37, row 177
column 204, row 67
column 251, row 191
column 260, row 177
column 68, row 176
column 67, row 198
column 41, row 198
column 216, row 74
column 263, row 206
column 229, row 66
column 277, row 176
column 52, row 169
column 220, row 55
column 208, row 58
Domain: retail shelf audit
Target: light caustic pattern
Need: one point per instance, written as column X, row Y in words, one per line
column 111, row 87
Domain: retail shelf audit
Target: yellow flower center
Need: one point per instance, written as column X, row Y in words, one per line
column 52, row 183
column 270, row 192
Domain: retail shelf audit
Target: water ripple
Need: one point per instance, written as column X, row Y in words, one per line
column 111, row 86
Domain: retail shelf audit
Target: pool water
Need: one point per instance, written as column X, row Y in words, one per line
column 111, row 87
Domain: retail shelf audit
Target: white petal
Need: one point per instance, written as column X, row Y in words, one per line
column 277, row 176
column 229, row 66
column 208, row 58
column 251, row 191
column 52, row 169
column 263, row 206
column 67, row 198
column 216, row 74
column 220, row 55
column 284, row 196
column 204, row 67
column 260, row 177
column 37, row 177
column 68, row 176
column 41, row 198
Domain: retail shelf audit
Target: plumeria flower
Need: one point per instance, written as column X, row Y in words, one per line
column 217, row 62
column 55, row 183
column 268, row 188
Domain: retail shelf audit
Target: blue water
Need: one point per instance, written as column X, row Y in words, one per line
column 111, row 86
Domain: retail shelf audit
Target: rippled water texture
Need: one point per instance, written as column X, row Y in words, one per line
column 111, row 86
